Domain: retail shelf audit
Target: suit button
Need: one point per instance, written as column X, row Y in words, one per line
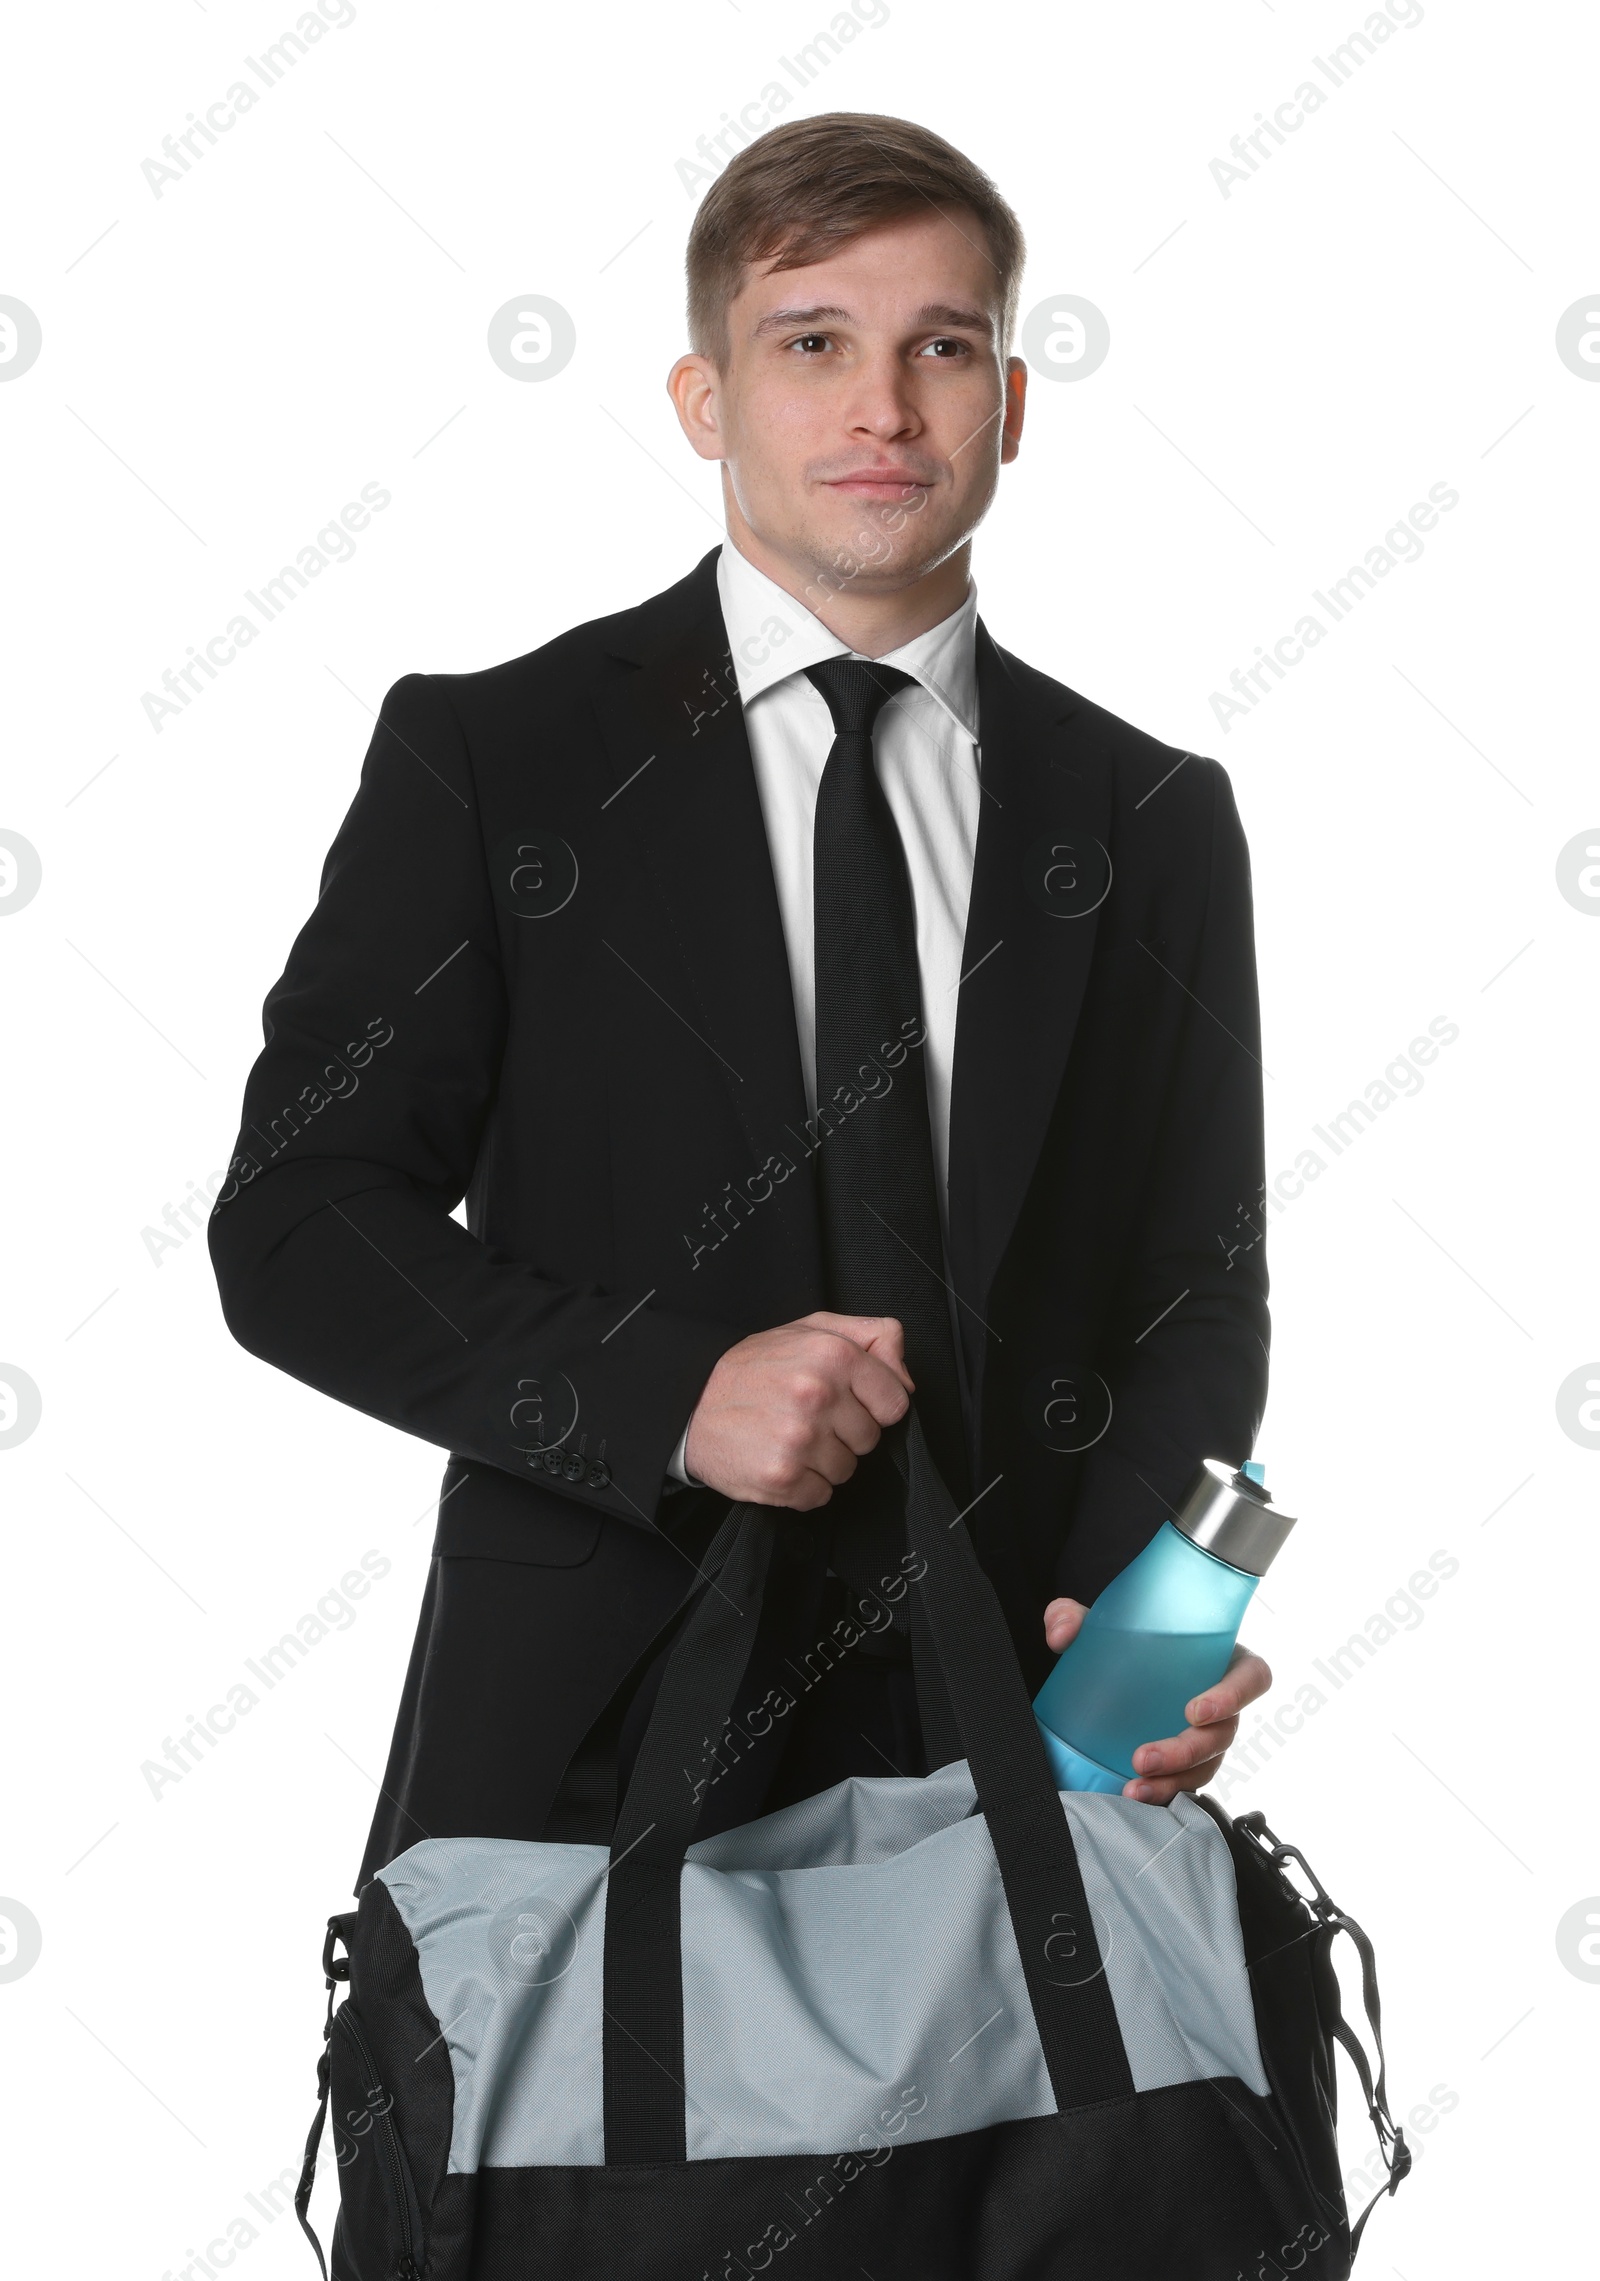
column 598, row 1475
column 573, row 1468
column 553, row 1459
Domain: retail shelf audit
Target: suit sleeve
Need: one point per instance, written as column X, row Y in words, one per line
column 1187, row 1361
column 335, row 1251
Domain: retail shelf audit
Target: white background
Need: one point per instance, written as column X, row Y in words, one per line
column 304, row 312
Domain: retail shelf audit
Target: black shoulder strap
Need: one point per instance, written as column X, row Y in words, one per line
column 335, row 1969
column 1391, row 2140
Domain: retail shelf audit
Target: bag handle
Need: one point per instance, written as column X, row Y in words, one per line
column 642, row 2031
column 1028, row 1828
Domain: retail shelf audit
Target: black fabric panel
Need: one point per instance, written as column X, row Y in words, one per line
column 410, row 2057
column 379, row 2226
column 1193, row 2183
column 1295, row 1992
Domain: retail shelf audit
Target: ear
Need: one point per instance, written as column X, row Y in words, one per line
column 695, row 385
column 1016, row 403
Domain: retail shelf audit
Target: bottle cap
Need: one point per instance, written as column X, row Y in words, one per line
column 1231, row 1516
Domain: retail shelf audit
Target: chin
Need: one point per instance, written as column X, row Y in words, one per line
column 889, row 559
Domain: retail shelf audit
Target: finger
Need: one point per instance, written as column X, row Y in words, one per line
column 881, row 1336
column 1163, row 1791
column 854, row 1425
column 1246, row 1678
column 800, row 1491
column 1062, row 1622
column 840, row 1436
column 832, row 1458
column 1175, row 1754
column 814, row 1490
column 886, row 1338
column 882, row 1391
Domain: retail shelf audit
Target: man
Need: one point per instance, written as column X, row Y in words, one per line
column 811, row 1003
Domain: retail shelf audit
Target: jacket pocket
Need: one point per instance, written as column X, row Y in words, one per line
column 380, row 2220
column 485, row 1514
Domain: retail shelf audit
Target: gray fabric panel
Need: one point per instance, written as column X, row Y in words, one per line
column 1175, row 1954
column 866, row 1818
column 820, row 2003
column 850, row 1976
column 523, row 2028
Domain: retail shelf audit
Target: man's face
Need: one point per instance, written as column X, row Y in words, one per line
column 865, row 406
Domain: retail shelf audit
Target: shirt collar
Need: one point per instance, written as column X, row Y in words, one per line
column 772, row 637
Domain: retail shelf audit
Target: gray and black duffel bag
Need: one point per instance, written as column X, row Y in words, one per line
column 963, row 2028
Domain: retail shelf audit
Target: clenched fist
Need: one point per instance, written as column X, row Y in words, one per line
column 787, row 1414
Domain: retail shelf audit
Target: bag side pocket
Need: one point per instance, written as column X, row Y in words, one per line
column 379, row 2234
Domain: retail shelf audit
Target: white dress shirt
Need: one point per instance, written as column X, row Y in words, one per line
column 925, row 745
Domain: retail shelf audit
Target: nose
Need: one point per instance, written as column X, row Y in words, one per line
column 882, row 404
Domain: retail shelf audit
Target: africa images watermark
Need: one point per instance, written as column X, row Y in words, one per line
column 333, row 543
column 1252, row 150
column 873, row 1615
column 873, row 1079
column 877, row 2144
column 183, row 151
column 181, row 1221
column 803, row 68
column 1402, row 1079
column 1402, row 1611
column 339, row 1081
column 334, row 1612
column 1402, row 542
column 274, row 2201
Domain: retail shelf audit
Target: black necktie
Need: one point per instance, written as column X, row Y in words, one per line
column 883, row 1253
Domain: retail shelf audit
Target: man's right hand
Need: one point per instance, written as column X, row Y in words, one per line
column 787, row 1414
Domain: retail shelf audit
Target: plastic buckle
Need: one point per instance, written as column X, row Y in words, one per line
column 336, row 1968
column 1320, row 1901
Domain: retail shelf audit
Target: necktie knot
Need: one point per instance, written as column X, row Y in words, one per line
column 856, row 690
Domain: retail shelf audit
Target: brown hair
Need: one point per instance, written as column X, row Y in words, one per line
column 803, row 189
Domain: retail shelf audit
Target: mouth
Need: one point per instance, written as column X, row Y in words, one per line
column 883, row 483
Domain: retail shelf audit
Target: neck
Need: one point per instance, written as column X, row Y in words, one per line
column 869, row 621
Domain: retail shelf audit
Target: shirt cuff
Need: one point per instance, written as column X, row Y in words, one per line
column 678, row 1474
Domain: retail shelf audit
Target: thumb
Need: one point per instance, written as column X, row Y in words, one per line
column 1063, row 1619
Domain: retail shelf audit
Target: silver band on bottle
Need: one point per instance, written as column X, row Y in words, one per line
column 1232, row 1517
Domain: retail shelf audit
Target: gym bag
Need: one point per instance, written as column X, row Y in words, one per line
column 961, row 2028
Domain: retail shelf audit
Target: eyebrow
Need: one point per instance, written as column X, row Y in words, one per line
column 932, row 313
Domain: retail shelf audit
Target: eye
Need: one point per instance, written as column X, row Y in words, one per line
column 810, row 343
column 947, row 348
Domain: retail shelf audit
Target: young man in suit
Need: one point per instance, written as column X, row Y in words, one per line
column 811, row 1003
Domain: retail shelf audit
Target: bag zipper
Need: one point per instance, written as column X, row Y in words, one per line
column 408, row 2269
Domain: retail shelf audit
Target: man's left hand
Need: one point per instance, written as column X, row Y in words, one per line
column 1190, row 1760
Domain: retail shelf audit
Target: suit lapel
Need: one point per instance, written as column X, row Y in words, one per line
column 685, row 788
column 1040, row 872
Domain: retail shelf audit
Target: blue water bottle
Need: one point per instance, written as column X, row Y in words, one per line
column 1161, row 1632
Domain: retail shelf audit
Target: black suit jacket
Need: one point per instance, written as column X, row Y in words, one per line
column 546, row 974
